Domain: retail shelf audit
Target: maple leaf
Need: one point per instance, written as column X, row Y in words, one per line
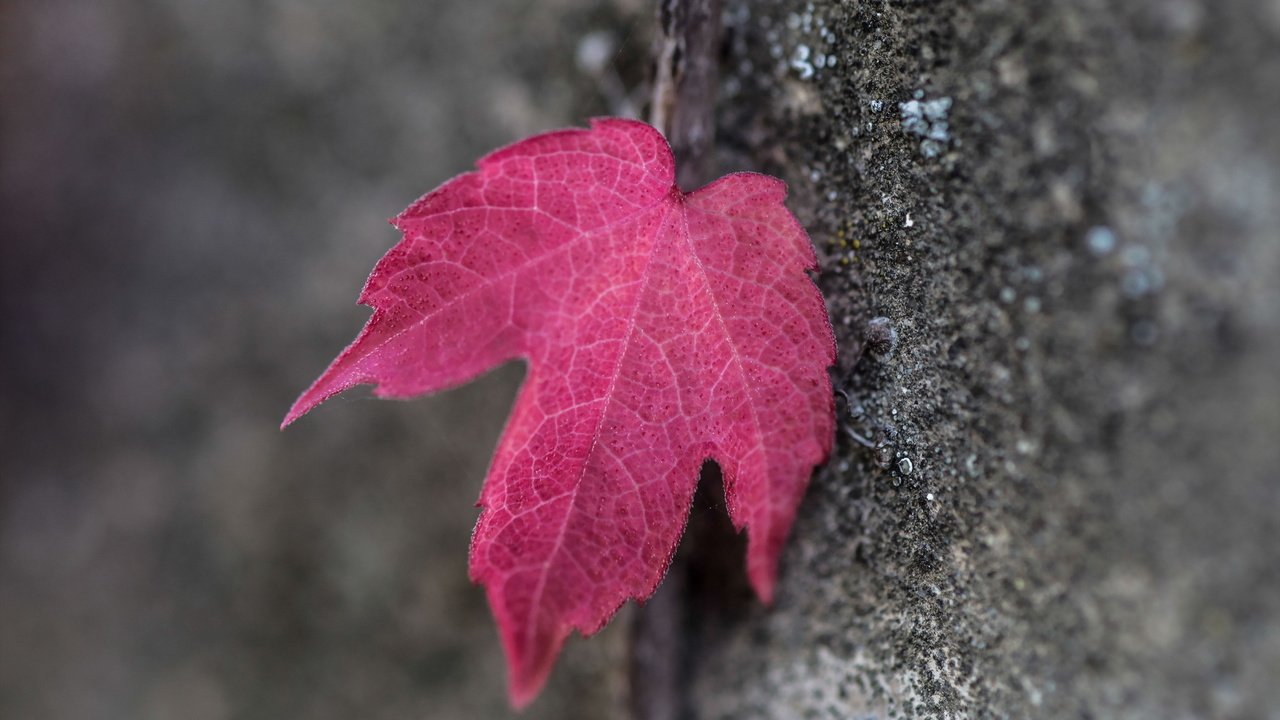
column 661, row 328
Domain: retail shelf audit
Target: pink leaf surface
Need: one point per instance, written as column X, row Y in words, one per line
column 660, row 328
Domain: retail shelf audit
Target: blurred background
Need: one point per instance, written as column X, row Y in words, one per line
column 1079, row 261
column 191, row 194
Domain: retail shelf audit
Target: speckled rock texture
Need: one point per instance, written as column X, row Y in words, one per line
column 1069, row 214
column 1065, row 212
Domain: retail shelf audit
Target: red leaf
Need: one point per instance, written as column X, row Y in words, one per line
column 661, row 329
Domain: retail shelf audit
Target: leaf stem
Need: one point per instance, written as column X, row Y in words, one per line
column 686, row 79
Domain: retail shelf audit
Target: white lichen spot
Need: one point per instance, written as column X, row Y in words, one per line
column 1100, row 239
column 927, row 119
column 936, row 110
column 800, row 62
column 913, row 118
column 1033, row 694
column 594, row 52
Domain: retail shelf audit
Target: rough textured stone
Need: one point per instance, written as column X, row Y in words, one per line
column 1069, row 215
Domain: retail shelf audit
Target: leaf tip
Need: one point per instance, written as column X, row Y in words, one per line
column 522, row 696
column 300, row 407
column 528, row 676
column 763, row 583
column 325, row 387
column 531, row 640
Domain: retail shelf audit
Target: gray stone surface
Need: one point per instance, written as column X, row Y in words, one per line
column 1070, row 213
column 1067, row 212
